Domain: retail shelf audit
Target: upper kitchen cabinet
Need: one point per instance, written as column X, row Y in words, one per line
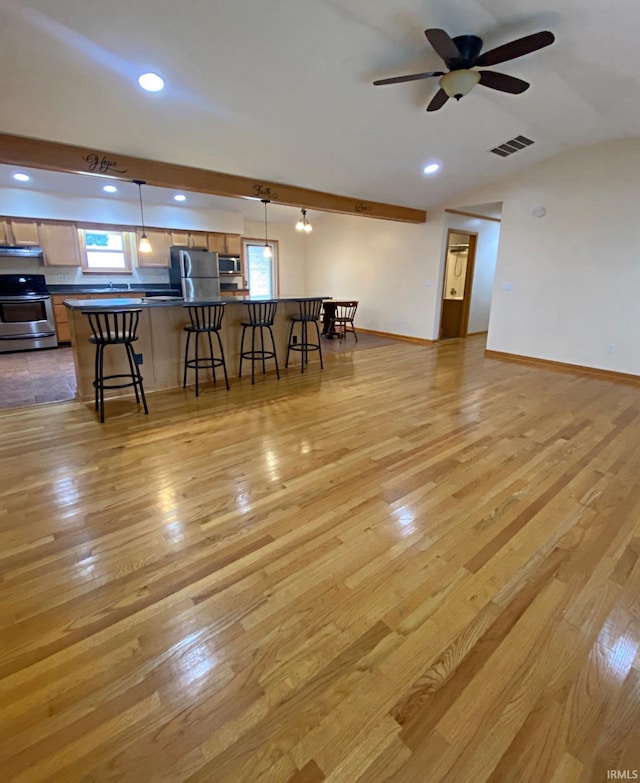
column 25, row 232
column 60, row 244
column 17, row 232
column 226, row 244
column 160, row 242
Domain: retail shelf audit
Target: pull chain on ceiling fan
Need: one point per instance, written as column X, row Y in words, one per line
column 462, row 54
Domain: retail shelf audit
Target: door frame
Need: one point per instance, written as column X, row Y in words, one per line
column 468, row 282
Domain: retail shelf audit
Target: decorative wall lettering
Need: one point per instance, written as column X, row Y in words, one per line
column 361, row 207
column 102, row 164
column 263, row 191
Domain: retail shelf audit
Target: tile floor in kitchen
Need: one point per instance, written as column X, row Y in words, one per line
column 32, row 377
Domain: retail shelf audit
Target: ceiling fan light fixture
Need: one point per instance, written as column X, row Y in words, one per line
column 457, row 84
column 267, row 252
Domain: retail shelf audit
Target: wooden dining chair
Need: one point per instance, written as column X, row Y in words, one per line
column 342, row 319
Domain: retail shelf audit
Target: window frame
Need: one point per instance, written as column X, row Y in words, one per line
column 128, row 250
column 275, row 262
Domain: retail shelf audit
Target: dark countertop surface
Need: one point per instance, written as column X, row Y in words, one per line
column 171, row 301
column 140, row 288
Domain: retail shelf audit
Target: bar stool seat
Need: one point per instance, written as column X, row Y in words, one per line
column 204, row 319
column 115, row 327
column 308, row 313
column 261, row 316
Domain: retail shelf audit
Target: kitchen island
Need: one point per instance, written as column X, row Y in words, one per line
column 161, row 338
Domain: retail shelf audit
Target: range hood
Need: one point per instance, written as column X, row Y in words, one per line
column 27, row 251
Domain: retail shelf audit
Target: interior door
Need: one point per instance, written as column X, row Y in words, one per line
column 456, row 289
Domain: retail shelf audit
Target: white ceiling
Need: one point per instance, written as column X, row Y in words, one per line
column 281, row 90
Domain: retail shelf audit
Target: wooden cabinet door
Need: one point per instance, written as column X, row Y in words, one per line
column 233, row 244
column 198, row 239
column 180, row 238
column 216, row 243
column 25, row 232
column 160, row 248
column 60, row 244
column 6, row 235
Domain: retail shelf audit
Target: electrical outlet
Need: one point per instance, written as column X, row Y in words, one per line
column 611, row 348
column 507, row 286
column 427, row 283
column 294, row 339
column 138, row 357
column 62, row 278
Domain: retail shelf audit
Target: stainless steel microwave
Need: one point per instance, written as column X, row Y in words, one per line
column 229, row 265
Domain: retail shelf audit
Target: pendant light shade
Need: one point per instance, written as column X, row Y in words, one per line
column 144, row 245
column 303, row 224
column 266, row 253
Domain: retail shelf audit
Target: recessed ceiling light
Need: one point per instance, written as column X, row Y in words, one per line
column 431, row 168
column 179, row 197
column 151, row 82
column 110, row 189
column 20, row 176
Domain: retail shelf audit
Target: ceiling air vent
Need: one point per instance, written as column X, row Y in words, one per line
column 511, row 146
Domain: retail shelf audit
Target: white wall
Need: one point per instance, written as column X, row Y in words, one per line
column 382, row 264
column 575, row 273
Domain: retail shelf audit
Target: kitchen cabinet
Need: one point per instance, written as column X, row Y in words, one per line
column 17, row 232
column 189, row 238
column 160, row 255
column 60, row 244
column 226, row 244
column 6, row 238
column 25, row 232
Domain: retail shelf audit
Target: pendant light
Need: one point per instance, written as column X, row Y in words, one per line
column 303, row 224
column 144, row 246
column 266, row 253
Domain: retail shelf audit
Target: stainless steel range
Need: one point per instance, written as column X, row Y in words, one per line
column 26, row 314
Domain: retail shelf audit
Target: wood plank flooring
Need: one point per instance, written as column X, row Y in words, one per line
column 416, row 565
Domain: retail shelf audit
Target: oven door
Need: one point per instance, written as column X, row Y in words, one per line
column 26, row 323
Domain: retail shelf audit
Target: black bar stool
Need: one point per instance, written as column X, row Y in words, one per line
column 205, row 319
column 115, row 327
column 261, row 317
column 309, row 313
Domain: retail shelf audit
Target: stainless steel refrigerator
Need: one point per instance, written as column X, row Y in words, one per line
column 195, row 272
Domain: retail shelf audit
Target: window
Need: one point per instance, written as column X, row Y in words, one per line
column 106, row 251
column 262, row 273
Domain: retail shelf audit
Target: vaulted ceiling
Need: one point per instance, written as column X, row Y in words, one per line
column 282, row 90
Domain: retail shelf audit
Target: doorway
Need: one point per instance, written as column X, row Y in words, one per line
column 458, row 279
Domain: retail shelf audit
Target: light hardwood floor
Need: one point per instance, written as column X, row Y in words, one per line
column 417, row 565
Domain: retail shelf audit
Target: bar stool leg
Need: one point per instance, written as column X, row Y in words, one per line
column 197, row 335
column 101, row 377
column 132, row 368
column 95, row 375
column 286, row 363
column 213, row 364
column 253, row 351
column 319, row 344
column 186, row 359
column 275, row 355
column 224, row 364
column 244, row 329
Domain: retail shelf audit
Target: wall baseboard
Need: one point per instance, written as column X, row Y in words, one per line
column 550, row 364
column 406, row 338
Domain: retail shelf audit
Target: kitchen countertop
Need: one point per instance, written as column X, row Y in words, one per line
column 125, row 304
column 137, row 288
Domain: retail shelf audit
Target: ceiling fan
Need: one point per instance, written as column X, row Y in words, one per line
column 462, row 54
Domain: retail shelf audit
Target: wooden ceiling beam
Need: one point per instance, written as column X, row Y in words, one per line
column 51, row 155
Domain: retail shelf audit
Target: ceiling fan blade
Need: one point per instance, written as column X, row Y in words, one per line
column 443, row 44
column 503, row 82
column 438, row 101
column 410, row 78
column 517, row 48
